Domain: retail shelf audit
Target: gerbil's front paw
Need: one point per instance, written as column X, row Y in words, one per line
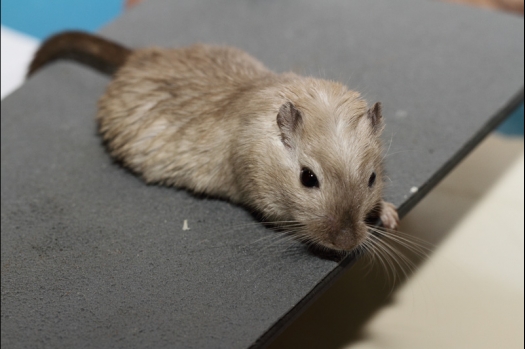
column 389, row 216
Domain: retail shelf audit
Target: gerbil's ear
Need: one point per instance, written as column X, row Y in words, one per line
column 288, row 119
column 376, row 118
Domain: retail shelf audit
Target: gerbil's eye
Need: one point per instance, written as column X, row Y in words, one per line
column 308, row 178
column 372, row 180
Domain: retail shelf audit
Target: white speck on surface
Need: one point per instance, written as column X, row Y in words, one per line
column 401, row 114
column 185, row 225
column 414, row 190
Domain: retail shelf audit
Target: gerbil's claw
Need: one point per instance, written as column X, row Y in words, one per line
column 389, row 216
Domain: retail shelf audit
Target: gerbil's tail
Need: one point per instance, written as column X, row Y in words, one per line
column 92, row 50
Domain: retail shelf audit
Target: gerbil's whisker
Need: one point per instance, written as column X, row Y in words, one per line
column 389, row 145
column 382, row 247
column 399, row 152
column 395, row 234
column 379, row 254
column 414, row 246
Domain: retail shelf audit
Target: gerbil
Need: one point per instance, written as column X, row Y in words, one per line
column 304, row 153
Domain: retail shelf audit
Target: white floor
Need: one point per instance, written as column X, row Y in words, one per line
column 470, row 292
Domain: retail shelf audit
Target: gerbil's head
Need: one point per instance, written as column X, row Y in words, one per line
column 330, row 172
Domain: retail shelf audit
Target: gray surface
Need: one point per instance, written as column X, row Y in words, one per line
column 93, row 257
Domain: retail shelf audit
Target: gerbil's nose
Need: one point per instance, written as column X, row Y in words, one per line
column 348, row 237
column 344, row 240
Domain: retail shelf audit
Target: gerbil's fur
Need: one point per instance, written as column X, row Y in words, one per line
column 214, row 120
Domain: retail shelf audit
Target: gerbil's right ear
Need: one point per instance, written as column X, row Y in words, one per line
column 376, row 117
column 288, row 119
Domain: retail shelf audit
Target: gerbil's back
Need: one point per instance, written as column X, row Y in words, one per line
column 167, row 113
column 198, row 68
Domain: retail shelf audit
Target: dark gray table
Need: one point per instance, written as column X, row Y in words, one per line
column 93, row 257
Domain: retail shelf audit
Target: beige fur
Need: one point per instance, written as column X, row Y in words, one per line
column 204, row 118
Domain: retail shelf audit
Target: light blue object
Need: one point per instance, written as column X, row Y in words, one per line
column 40, row 18
column 513, row 126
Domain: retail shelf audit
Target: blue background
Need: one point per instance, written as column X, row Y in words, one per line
column 41, row 18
